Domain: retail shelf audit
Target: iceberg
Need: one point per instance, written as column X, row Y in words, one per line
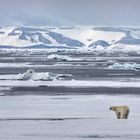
column 125, row 66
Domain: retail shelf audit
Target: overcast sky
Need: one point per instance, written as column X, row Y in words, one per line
column 70, row 12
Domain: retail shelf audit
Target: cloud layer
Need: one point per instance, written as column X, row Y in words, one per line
column 70, row 12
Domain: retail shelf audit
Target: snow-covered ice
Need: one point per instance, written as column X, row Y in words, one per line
column 125, row 66
column 67, row 118
column 18, row 65
column 70, row 83
column 61, row 57
column 32, row 75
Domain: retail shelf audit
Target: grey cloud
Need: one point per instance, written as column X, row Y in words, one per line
column 70, row 12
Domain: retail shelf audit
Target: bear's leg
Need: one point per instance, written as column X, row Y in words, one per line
column 118, row 115
column 123, row 116
column 126, row 114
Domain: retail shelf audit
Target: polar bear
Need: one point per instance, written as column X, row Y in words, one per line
column 122, row 112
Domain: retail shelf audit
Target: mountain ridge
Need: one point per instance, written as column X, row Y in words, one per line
column 67, row 37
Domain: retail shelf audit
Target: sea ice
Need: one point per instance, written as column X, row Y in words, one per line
column 125, row 66
column 32, row 75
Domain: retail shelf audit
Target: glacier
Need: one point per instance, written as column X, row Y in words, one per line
column 69, row 37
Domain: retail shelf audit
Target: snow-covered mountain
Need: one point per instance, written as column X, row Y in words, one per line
column 69, row 37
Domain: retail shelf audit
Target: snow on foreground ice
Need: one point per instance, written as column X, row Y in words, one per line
column 83, row 106
column 125, row 66
column 32, row 75
column 67, row 118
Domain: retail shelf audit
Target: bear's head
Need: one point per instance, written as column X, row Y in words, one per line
column 113, row 108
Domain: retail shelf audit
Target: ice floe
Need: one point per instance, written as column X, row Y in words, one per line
column 18, row 65
column 70, row 83
column 32, row 75
column 125, row 66
column 4, row 88
column 61, row 57
column 2, row 94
